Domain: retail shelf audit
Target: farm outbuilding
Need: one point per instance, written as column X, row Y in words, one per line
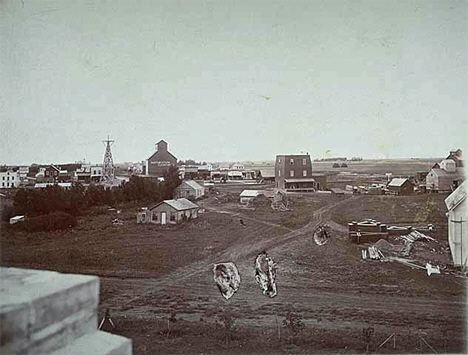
column 401, row 186
column 457, row 206
column 247, row 196
column 267, row 175
column 189, row 188
column 169, row 212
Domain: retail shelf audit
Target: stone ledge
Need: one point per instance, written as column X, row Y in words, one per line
column 41, row 311
column 98, row 343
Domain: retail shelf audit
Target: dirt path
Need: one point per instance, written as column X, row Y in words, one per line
column 241, row 253
column 190, row 290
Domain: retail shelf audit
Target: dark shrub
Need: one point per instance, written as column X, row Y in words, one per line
column 50, row 222
column 7, row 213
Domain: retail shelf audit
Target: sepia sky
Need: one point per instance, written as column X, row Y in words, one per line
column 232, row 80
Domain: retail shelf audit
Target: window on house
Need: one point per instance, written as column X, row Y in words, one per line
column 3, row 177
column 279, row 172
column 173, row 216
column 304, row 161
column 8, row 178
column 304, row 173
column 291, row 173
column 279, row 161
column 291, row 161
column 3, row 184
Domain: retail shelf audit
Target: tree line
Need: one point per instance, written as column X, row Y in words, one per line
column 78, row 198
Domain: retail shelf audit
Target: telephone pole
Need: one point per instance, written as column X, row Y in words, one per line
column 108, row 168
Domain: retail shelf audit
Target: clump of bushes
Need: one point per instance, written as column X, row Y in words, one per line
column 55, row 208
column 48, row 222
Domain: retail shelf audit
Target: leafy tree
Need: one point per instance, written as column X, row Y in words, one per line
column 170, row 183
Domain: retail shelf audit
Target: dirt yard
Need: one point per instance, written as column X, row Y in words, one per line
column 150, row 272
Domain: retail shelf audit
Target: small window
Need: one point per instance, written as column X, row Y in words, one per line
column 291, row 173
column 3, row 184
column 291, row 161
column 172, row 216
column 279, row 172
column 304, row 161
column 304, row 173
column 3, row 177
column 279, row 160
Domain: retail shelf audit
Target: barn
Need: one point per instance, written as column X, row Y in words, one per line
column 189, row 188
column 172, row 211
column 401, row 186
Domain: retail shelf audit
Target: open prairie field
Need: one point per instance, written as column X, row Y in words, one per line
column 394, row 166
column 149, row 273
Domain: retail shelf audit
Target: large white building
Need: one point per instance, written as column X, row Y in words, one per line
column 9, row 179
column 457, row 205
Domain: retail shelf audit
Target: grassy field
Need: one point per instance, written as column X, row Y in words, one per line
column 150, row 272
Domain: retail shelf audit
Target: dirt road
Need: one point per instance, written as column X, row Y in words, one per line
column 329, row 286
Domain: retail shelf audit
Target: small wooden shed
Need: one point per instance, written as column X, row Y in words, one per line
column 172, row 212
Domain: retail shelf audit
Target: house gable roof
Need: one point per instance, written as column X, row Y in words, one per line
column 156, row 152
column 191, row 183
column 398, row 182
column 180, row 204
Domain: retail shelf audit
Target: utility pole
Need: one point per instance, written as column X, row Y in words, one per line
column 108, row 168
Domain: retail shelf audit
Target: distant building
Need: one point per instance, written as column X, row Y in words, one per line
column 172, row 211
column 447, row 175
column 188, row 172
column 457, row 205
column 238, row 166
column 204, row 171
column 441, row 180
column 401, row 186
column 49, row 174
column 247, row 196
column 160, row 162
column 320, row 181
column 267, row 175
column 96, row 173
column 294, row 173
column 189, row 188
column 457, row 156
column 9, row 179
column 43, row 185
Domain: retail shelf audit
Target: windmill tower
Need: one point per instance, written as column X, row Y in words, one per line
column 108, row 168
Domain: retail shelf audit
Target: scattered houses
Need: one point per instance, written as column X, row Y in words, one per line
column 189, row 188
column 171, row 212
column 457, row 205
column 399, row 186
